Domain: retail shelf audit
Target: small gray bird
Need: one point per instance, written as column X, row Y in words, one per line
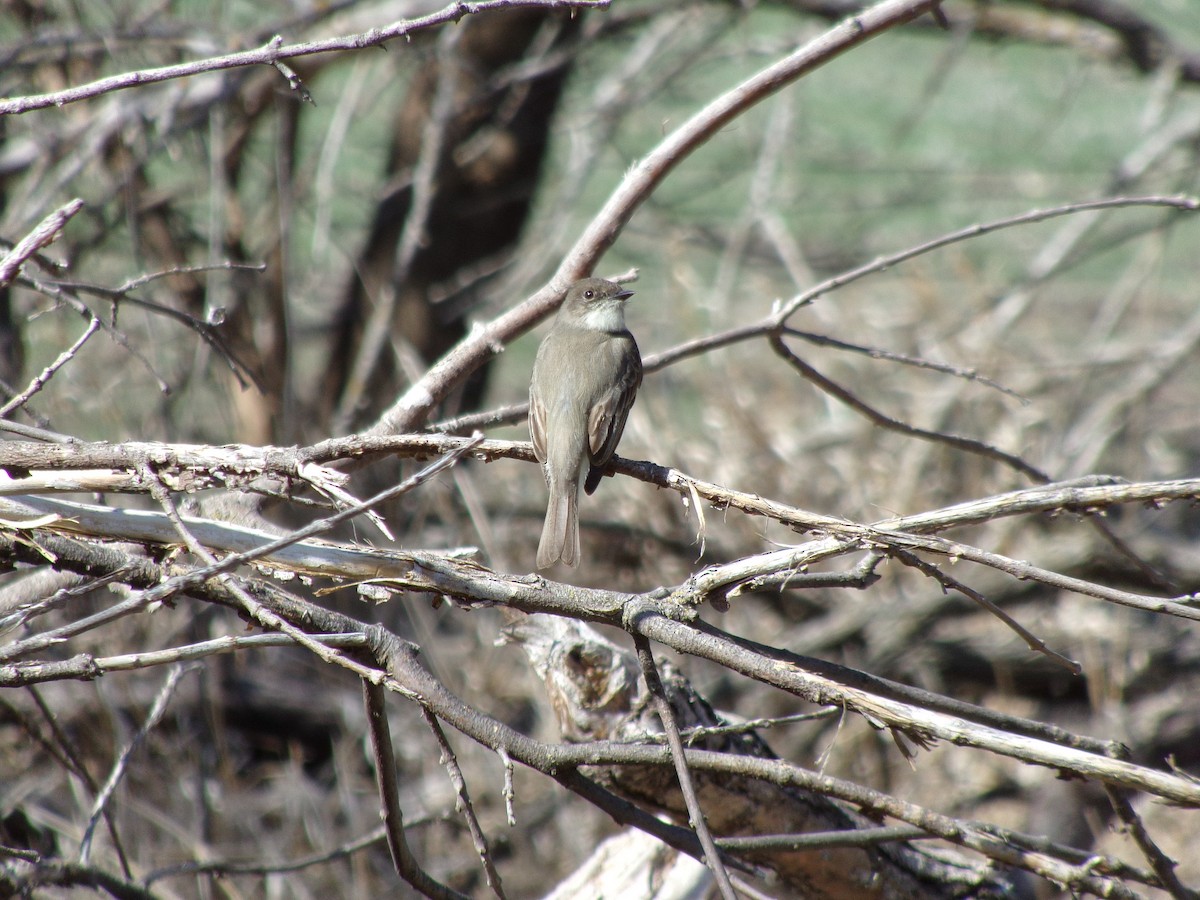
column 587, row 373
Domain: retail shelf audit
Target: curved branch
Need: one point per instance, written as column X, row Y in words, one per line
column 777, row 321
column 643, row 177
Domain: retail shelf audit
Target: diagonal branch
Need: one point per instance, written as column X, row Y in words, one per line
column 1164, row 866
column 643, row 178
column 379, row 327
column 971, row 445
column 393, row 818
column 46, row 233
column 949, row 583
column 47, row 373
column 159, row 708
column 778, row 318
column 712, row 856
column 464, row 802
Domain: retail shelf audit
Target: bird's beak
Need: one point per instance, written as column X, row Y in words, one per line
column 624, row 295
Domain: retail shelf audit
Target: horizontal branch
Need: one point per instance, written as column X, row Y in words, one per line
column 671, row 624
column 34, row 467
column 654, row 619
column 275, row 52
column 87, row 666
column 28, row 467
column 191, row 467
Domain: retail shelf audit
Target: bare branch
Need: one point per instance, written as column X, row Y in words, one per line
column 45, row 234
column 488, row 340
column 712, row 856
column 1163, row 866
column 393, row 818
column 276, row 51
column 165, row 693
column 1035, row 643
column 379, row 326
column 834, row 389
column 47, row 373
column 459, row 781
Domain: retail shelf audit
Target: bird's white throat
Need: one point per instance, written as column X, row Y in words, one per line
column 608, row 317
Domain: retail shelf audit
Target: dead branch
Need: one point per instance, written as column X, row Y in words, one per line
column 274, row 53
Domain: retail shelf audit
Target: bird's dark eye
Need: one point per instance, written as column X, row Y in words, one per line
column 589, row 294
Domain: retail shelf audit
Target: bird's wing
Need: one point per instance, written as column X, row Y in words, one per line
column 537, row 427
column 606, row 419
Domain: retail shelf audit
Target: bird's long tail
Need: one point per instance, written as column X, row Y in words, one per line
column 560, row 533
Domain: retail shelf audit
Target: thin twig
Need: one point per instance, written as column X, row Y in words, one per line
column 165, row 693
column 856, row 837
column 39, row 381
column 209, row 331
column 72, row 761
column 712, row 856
column 229, row 867
column 37, row 434
column 904, row 359
column 393, row 817
column 1163, row 866
column 948, row 582
column 379, row 326
column 450, row 761
column 67, row 296
column 67, row 874
column 46, row 233
column 87, row 667
column 970, row 445
column 785, row 311
column 508, row 791
column 700, row 732
column 24, row 611
column 275, row 51
column 1184, row 607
